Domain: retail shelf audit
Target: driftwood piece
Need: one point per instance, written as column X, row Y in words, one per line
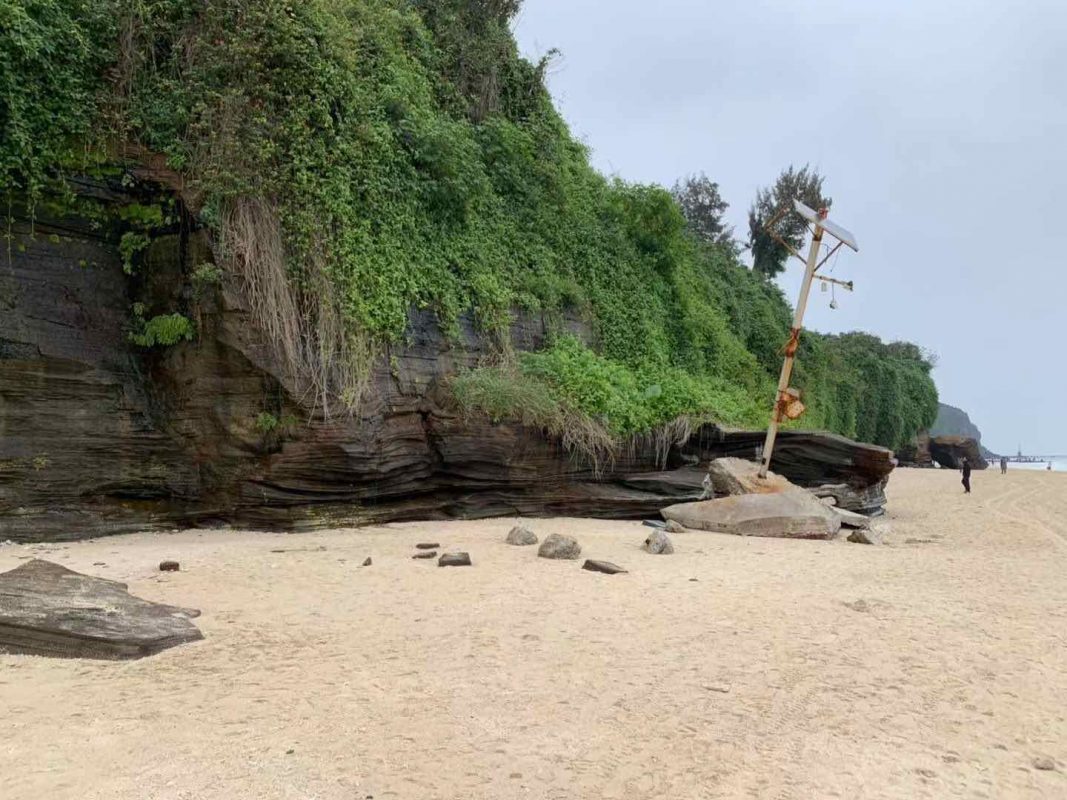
column 49, row 610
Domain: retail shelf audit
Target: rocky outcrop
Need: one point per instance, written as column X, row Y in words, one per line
column 99, row 436
column 952, row 421
column 949, row 452
column 830, row 465
column 951, row 426
column 916, row 453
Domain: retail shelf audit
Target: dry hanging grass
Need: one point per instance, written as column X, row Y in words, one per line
column 329, row 363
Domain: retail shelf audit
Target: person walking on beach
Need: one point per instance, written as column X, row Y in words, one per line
column 966, row 468
column 1003, row 465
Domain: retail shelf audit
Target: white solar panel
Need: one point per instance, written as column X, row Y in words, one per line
column 830, row 227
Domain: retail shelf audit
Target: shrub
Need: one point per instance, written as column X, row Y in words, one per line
column 164, row 330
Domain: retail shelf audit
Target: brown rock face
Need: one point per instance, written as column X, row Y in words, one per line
column 100, row 436
column 949, row 452
column 917, row 453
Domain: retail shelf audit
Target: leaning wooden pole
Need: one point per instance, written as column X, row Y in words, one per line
column 782, row 398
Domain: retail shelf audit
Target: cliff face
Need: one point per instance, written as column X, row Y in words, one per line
column 98, row 435
column 952, row 421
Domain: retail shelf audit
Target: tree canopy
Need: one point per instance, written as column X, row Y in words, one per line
column 703, row 208
column 805, row 184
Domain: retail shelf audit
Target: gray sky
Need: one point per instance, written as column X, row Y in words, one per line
column 941, row 127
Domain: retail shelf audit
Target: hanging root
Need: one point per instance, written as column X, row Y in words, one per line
column 661, row 439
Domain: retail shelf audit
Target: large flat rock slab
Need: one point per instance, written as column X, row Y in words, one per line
column 49, row 610
column 791, row 515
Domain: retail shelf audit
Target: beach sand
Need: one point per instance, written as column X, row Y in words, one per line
column 932, row 667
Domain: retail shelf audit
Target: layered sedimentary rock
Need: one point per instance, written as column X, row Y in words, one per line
column 853, row 473
column 917, row 453
column 98, row 435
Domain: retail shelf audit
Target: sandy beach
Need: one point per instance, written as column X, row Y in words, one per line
column 932, row 667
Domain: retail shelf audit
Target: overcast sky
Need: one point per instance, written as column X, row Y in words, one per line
column 941, row 127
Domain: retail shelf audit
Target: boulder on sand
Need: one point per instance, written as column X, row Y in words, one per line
column 659, row 543
column 794, row 514
column 521, row 536
column 49, row 610
column 556, row 546
column 866, row 536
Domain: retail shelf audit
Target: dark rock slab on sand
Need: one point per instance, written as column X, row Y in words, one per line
column 49, row 610
column 602, row 566
column 454, row 560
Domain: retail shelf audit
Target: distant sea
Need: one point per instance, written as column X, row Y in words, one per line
column 1059, row 464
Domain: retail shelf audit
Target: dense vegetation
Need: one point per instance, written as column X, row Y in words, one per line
column 357, row 158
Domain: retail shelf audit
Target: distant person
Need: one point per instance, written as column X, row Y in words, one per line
column 1049, row 467
column 1003, row 465
column 965, row 467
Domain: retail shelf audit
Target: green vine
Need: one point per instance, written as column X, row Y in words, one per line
column 400, row 154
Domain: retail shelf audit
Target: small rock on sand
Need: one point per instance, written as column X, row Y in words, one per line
column 169, row 566
column 674, row 527
column 454, row 560
column 861, row 536
column 1044, row 763
column 558, row 546
column 602, row 566
column 426, row 554
column 659, row 543
column 521, row 536
column 367, row 561
column 427, row 545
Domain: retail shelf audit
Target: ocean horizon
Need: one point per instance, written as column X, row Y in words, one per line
column 1059, row 464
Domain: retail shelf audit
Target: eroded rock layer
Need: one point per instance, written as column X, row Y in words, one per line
column 99, row 436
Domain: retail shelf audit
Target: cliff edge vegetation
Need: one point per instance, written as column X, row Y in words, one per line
column 357, row 159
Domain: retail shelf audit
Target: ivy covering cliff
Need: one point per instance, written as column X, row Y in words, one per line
column 355, row 159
